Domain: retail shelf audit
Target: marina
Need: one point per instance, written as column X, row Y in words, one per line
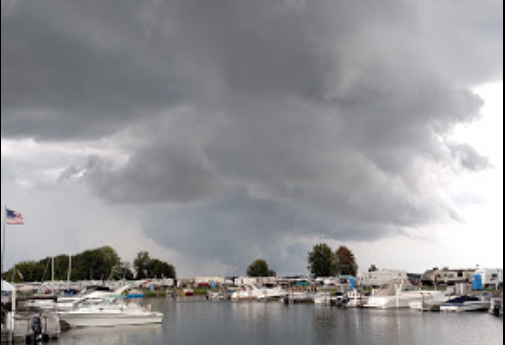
column 128, row 307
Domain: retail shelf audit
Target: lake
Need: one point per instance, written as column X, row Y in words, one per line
column 198, row 322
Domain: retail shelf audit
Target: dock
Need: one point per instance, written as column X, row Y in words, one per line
column 31, row 328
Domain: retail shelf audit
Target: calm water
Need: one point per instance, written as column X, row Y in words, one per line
column 198, row 322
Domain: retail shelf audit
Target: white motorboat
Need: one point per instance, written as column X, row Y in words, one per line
column 109, row 312
column 466, row 303
column 356, row 299
column 67, row 303
column 271, row 294
column 216, row 296
column 39, row 303
column 431, row 301
column 324, row 298
column 188, row 292
column 245, row 293
column 397, row 294
column 90, row 293
column 299, row 298
column 250, row 292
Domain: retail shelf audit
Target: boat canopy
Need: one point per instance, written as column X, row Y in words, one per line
column 8, row 287
column 302, row 284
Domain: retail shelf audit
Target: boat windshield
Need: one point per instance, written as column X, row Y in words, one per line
column 386, row 290
column 93, row 303
column 464, row 299
column 391, row 289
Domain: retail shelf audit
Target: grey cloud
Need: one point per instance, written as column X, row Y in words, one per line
column 465, row 37
column 71, row 71
column 91, row 67
column 160, row 175
column 469, row 158
column 262, row 117
column 238, row 229
column 79, row 171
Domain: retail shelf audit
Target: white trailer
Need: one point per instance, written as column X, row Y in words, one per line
column 491, row 277
column 380, row 278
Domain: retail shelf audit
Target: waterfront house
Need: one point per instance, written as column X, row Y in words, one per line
column 447, row 276
column 380, row 278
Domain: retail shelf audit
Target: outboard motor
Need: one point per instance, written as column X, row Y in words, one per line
column 286, row 300
column 497, row 308
column 37, row 328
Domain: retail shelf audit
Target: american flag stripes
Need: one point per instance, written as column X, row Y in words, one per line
column 13, row 218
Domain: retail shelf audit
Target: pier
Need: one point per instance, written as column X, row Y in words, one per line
column 28, row 327
column 31, row 328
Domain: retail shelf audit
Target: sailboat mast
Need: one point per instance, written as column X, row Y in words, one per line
column 52, row 271
column 69, row 271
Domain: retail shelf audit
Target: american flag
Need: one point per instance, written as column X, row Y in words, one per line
column 14, row 218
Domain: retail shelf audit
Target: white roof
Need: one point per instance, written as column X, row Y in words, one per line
column 8, row 286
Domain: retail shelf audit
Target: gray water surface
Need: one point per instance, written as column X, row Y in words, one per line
column 199, row 322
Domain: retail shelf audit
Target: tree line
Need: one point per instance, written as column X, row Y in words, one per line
column 322, row 262
column 105, row 264
column 97, row 264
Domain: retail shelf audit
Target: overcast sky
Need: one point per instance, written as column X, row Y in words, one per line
column 215, row 132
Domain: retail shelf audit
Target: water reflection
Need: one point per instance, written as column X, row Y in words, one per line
column 141, row 335
column 196, row 322
column 325, row 325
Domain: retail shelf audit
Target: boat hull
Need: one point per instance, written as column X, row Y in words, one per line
column 391, row 302
column 109, row 319
column 467, row 307
column 426, row 306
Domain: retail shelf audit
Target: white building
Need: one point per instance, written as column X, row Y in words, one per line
column 167, row 282
column 210, row 280
column 255, row 281
column 380, row 278
column 491, row 277
column 447, row 276
column 327, row 281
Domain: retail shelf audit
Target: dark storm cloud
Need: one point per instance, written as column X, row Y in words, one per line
column 73, row 68
column 70, row 70
column 277, row 116
column 238, row 229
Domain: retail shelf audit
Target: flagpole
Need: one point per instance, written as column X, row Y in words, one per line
column 3, row 241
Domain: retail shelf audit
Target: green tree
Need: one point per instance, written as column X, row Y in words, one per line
column 346, row 262
column 159, row 269
column 322, row 261
column 152, row 268
column 260, row 268
column 123, row 271
column 96, row 264
column 141, row 265
column 27, row 271
column 373, row 268
column 61, row 263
